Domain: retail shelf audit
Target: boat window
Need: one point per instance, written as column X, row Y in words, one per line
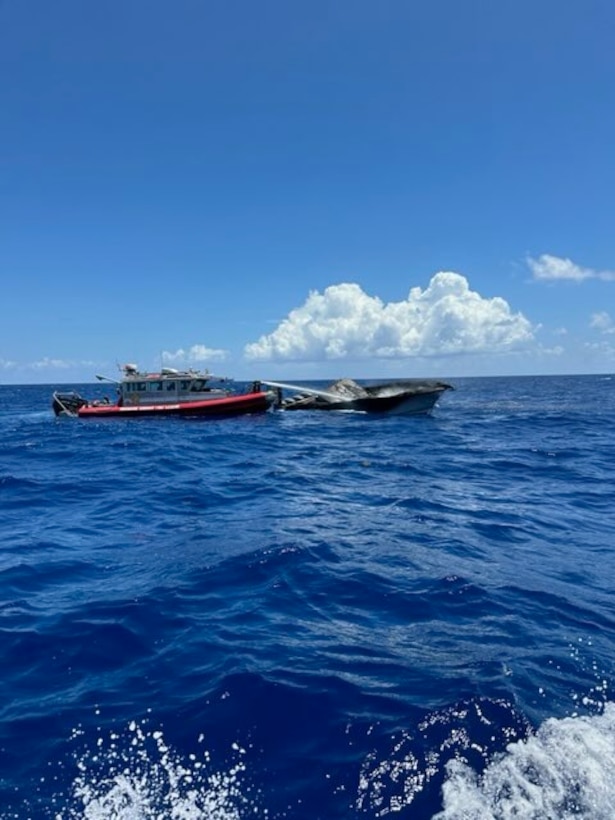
column 197, row 384
column 185, row 385
column 155, row 385
column 170, row 385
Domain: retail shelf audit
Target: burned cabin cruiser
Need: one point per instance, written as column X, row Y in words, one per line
column 401, row 397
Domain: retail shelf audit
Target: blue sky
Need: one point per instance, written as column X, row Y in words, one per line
column 299, row 190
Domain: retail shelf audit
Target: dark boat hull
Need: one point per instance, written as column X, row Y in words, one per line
column 410, row 397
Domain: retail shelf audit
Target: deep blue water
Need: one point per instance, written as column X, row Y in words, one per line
column 297, row 615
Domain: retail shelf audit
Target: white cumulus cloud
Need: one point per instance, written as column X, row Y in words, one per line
column 196, row 353
column 548, row 267
column 344, row 322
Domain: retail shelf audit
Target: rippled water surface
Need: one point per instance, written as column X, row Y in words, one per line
column 296, row 615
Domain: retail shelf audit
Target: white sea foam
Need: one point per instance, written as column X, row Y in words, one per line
column 135, row 775
column 566, row 770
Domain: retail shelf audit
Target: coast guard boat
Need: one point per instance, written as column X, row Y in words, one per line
column 167, row 393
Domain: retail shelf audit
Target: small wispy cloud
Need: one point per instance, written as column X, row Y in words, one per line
column 47, row 363
column 196, row 353
column 602, row 321
column 553, row 268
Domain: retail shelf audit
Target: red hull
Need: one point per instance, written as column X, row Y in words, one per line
column 228, row 406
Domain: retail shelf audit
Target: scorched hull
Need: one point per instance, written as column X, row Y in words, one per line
column 408, row 397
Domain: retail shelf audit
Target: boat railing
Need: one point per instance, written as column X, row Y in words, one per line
column 60, row 400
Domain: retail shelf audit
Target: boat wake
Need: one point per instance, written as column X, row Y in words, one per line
column 563, row 771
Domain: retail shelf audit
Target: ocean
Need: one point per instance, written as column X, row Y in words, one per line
column 311, row 616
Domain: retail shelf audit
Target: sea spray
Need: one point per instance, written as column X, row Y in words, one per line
column 135, row 775
column 397, row 776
